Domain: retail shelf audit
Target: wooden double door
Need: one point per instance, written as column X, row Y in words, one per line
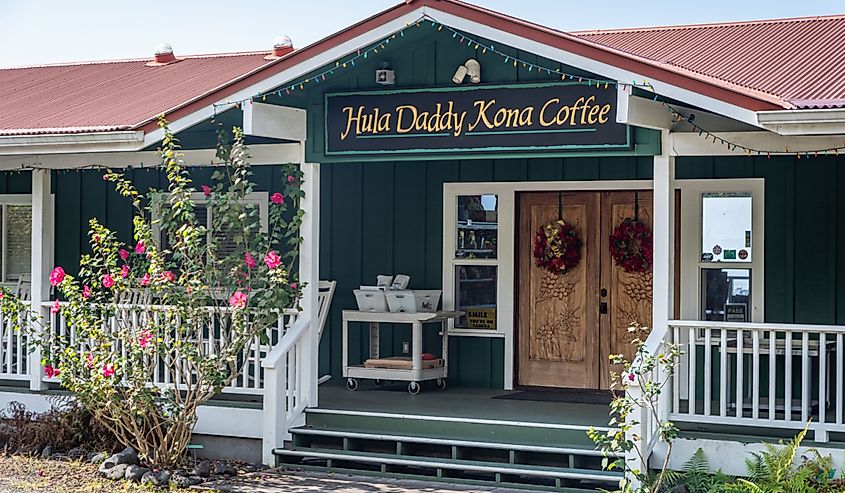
column 569, row 324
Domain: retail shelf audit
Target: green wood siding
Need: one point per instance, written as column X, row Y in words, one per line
column 386, row 218
column 805, row 234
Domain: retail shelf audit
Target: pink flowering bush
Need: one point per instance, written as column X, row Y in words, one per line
column 164, row 295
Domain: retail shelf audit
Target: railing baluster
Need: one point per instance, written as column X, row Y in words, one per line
column 676, row 379
column 787, row 383
column 755, row 375
column 805, row 376
column 822, row 380
column 723, row 372
column 708, row 371
column 772, row 373
column 692, row 371
column 740, row 372
column 839, row 377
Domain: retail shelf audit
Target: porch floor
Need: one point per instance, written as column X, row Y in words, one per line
column 459, row 403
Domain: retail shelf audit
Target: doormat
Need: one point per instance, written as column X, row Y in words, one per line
column 579, row 396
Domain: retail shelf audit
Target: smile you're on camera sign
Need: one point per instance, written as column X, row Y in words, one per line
column 484, row 118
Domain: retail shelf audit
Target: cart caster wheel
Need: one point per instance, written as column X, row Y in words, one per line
column 351, row 384
column 441, row 384
column 378, row 382
column 414, row 388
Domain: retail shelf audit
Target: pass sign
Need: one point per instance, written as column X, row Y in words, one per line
column 523, row 117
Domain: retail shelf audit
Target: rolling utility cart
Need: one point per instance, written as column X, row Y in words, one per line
column 414, row 369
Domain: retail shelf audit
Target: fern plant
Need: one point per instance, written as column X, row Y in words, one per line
column 774, row 470
column 696, row 477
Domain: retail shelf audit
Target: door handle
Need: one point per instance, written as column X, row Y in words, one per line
column 603, row 308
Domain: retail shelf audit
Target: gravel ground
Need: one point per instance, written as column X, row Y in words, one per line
column 22, row 474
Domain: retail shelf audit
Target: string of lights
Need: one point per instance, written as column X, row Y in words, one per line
column 487, row 48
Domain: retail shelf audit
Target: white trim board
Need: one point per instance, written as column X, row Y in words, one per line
column 260, row 154
column 211, row 420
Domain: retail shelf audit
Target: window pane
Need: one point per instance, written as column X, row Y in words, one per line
column 477, row 232
column 726, row 227
column 475, row 289
column 18, row 240
column 227, row 243
column 726, row 295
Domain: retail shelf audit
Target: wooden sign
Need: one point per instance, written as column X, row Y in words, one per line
column 522, row 117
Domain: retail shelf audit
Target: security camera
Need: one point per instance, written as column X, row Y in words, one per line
column 473, row 70
column 460, row 74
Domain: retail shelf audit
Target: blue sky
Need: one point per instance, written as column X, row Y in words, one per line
column 49, row 31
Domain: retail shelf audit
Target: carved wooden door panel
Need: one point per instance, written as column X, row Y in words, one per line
column 628, row 295
column 558, row 338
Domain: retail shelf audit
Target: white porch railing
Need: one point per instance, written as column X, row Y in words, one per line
column 765, row 375
column 214, row 336
column 14, row 357
column 295, row 384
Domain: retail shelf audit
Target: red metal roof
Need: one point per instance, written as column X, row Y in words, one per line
column 760, row 65
column 114, row 95
column 799, row 61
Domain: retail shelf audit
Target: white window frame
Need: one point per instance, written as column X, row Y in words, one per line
column 506, row 248
column 19, row 199
column 691, row 231
column 261, row 199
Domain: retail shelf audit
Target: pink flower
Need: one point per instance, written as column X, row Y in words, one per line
column 238, row 299
column 249, row 261
column 123, row 253
column 277, row 198
column 206, row 190
column 108, row 370
column 51, row 372
column 108, row 281
column 86, row 292
column 272, row 259
column 145, row 280
column 90, row 361
column 293, row 285
column 55, row 308
column 168, row 276
column 140, row 247
column 291, row 179
column 145, row 338
column 57, row 276
column 2, row 294
column 124, row 271
column 106, row 177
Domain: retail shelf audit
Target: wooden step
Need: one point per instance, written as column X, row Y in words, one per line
column 446, row 468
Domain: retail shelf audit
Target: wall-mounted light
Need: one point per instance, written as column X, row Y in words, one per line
column 385, row 75
column 471, row 68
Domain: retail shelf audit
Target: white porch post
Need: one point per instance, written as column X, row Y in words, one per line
column 309, row 273
column 664, row 247
column 42, row 238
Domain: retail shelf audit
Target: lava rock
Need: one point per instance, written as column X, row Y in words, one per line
column 256, row 467
column 225, row 470
column 203, row 469
column 135, row 473
column 126, row 456
column 47, row 452
column 116, row 472
column 159, row 478
column 76, row 453
column 182, row 481
column 98, row 458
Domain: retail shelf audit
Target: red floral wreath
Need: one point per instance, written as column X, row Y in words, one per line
column 557, row 247
column 631, row 246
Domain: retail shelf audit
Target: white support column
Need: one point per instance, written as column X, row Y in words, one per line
column 42, row 241
column 309, row 273
column 664, row 244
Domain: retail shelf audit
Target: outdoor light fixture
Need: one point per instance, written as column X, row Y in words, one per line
column 385, row 75
column 471, row 68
